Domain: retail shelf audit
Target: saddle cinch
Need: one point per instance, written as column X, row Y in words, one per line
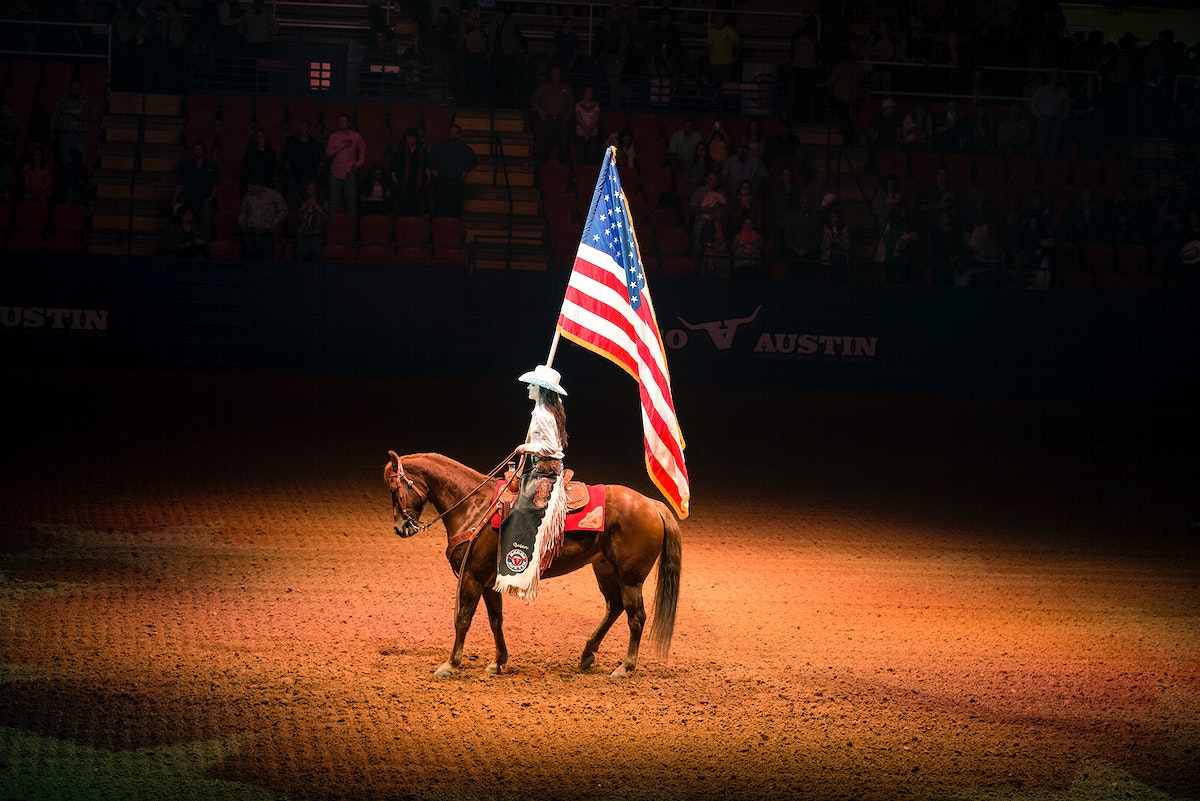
column 585, row 503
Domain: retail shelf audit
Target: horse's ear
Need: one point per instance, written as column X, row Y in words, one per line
column 394, row 460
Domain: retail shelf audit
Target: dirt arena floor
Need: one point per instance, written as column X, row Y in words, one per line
column 882, row 598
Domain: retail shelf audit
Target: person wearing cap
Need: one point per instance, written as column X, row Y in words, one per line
column 533, row 527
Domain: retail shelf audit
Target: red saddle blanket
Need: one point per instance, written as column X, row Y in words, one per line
column 587, row 517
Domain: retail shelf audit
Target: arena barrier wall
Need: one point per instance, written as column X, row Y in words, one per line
column 144, row 313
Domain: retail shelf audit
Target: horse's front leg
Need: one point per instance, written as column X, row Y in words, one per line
column 469, row 591
column 494, row 602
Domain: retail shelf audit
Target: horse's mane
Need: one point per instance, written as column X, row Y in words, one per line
column 444, row 464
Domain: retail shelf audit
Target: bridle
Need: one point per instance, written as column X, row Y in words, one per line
column 412, row 520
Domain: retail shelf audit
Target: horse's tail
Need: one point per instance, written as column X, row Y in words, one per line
column 666, row 594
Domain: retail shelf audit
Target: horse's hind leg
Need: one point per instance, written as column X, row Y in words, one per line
column 494, row 602
column 610, row 587
column 635, row 613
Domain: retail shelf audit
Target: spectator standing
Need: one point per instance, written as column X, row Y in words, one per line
column 72, row 121
column 311, row 217
column 805, row 65
column 1050, row 105
column 260, row 164
column 982, row 137
column 681, row 147
column 301, row 160
column 887, row 197
column 743, row 166
column 785, row 199
column 566, row 46
column 987, row 256
column 553, row 104
column 627, row 152
column 756, row 139
column 196, row 186
column 945, row 252
column 805, row 229
column 665, row 49
column 847, row 82
column 835, row 247
column 723, row 47
column 474, row 78
column 821, row 185
column 508, row 58
column 587, row 128
column 347, row 152
column 410, row 175
column 697, row 168
column 917, row 127
column 896, row 249
column 951, row 132
column 259, row 27
column 884, row 132
column 229, row 25
column 718, row 145
column 263, row 209
column 883, row 47
column 747, row 249
column 37, row 177
column 449, row 162
column 938, row 197
column 707, row 204
column 746, row 204
column 177, row 49
column 1013, row 133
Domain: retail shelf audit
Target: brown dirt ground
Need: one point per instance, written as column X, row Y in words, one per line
column 883, row 598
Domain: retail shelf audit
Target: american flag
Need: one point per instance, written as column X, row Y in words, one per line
column 607, row 310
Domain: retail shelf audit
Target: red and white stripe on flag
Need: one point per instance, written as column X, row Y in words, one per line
column 607, row 309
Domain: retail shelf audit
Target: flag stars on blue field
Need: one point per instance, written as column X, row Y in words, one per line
column 609, row 230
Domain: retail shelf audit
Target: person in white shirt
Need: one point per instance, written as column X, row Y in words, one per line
column 533, row 528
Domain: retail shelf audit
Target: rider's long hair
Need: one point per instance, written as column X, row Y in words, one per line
column 553, row 401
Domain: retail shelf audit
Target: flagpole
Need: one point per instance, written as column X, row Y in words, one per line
column 553, row 347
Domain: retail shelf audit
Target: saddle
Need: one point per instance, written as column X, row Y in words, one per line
column 585, row 503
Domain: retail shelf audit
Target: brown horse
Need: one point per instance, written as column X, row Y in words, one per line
column 638, row 531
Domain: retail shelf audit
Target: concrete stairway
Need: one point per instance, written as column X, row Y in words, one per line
column 501, row 210
column 133, row 190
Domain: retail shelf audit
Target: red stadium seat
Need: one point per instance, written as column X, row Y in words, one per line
column 375, row 229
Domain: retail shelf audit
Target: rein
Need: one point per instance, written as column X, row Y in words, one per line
column 419, row 526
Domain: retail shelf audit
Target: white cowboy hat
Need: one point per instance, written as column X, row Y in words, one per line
column 543, row 376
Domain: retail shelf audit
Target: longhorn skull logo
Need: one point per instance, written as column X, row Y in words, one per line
column 721, row 332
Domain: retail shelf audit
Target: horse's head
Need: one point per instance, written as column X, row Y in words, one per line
column 408, row 501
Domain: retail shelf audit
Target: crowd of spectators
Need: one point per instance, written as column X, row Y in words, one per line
column 293, row 198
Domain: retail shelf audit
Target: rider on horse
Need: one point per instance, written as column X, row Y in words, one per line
column 533, row 529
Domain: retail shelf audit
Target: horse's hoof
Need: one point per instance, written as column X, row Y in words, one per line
column 495, row 669
column 587, row 661
column 620, row 673
column 445, row 671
